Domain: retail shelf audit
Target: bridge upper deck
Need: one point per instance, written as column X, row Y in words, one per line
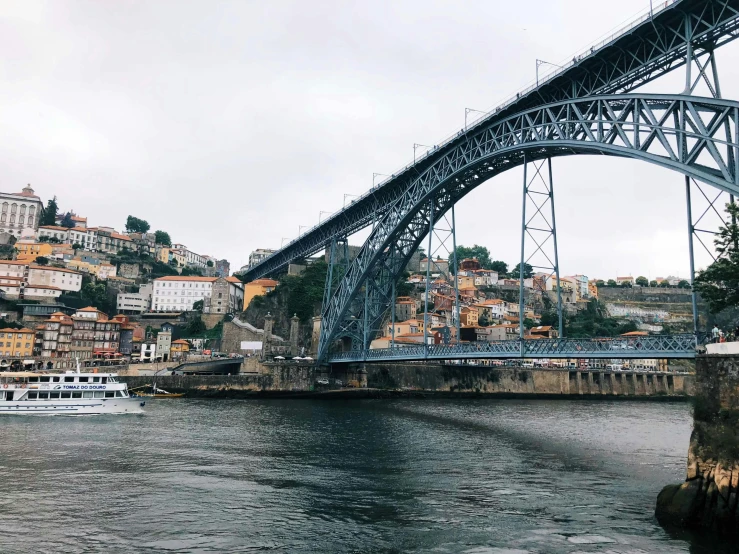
column 651, row 45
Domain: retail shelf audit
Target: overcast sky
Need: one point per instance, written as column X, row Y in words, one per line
column 230, row 124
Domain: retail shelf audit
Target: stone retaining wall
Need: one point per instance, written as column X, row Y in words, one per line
column 708, row 499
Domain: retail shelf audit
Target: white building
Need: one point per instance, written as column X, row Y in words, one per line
column 178, row 294
column 13, row 268
column 19, row 210
column 62, row 278
column 135, row 302
column 258, row 255
column 87, row 238
column 53, row 231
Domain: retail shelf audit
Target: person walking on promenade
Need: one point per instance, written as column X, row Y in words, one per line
column 715, row 333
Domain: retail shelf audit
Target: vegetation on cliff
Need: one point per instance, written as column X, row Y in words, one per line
column 593, row 321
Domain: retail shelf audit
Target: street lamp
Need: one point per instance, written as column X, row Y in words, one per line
column 467, row 111
column 416, row 145
column 543, row 62
column 321, row 213
column 301, row 227
column 283, row 241
column 375, row 175
column 352, row 195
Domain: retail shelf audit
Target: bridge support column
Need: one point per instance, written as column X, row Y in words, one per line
column 539, row 227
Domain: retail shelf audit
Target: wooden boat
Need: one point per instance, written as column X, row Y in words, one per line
column 151, row 391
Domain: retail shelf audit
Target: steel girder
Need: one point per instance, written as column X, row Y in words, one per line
column 639, row 55
column 673, row 346
column 694, row 136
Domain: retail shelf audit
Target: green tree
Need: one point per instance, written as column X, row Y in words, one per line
column 136, row 225
column 42, row 260
column 665, row 284
column 67, row 221
column 611, row 283
column 196, row 327
column 209, row 263
column 499, row 266
column 642, row 281
column 480, row 252
column 191, row 271
column 626, row 284
column 600, row 283
column 162, row 237
column 77, row 246
column 198, row 306
column 483, row 320
column 528, row 271
column 718, row 284
column 653, row 283
column 49, row 215
column 683, row 284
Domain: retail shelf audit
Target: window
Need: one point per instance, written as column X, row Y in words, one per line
column 110, row 394
column 76, row 394
column 83, row 379
column 32, row 395
column 66, row 394
column 43, row 395
column 87, row 394
column 69, row 379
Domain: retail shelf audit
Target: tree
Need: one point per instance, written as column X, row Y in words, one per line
column 77, row 246
column 627, row 284
column 653, row 283
column 173, row 263
column 611, row 283
column 42, row 260
column 664, row 284
column 136, row 225
column 642, row 281
column 480, row 252
column 49, row 215
column 209, row 263
column 718, row 284
column 162, row 237
column 683, row 284
column 67, row 221
column 198, row 306
column 196, row 327
column 528, row 271
column 600, row 283
column 483, row 320
column 500, row 267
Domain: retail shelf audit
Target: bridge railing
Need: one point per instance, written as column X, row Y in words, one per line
column 655, row 346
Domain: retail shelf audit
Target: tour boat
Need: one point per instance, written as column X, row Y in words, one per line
column 69, row 393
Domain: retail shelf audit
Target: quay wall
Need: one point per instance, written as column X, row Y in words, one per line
column 290, row 379
column 708, row 500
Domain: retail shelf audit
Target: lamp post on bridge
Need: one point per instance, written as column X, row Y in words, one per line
column 468, row 111
column 376, row 175
column 301, row 227
column 352, row 195
column 415, row 146
column 321, row 214
column 543, row 62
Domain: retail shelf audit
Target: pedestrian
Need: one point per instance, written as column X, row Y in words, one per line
column 722, row 338
column 715, row 333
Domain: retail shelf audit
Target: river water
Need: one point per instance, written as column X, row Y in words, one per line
column 473, row 476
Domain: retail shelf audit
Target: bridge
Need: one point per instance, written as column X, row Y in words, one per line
column 589, row 106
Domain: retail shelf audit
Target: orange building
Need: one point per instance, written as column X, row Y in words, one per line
column 260, row 287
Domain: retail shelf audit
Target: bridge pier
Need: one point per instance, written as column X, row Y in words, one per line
column 708, row 500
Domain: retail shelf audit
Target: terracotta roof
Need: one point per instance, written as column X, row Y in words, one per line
column 78, row 218
column 89, row 309
column 180, row 341
column 9, row 285
column 12, row 262
column 264, row 282
column 120, row 236
column 232, row 279
column 635, row 334
column 11, row 278
column 53, row 227
column 41, row 287
column 52, row 268
column 28, row 192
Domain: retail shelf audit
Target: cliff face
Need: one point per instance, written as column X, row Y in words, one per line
column 707, row 500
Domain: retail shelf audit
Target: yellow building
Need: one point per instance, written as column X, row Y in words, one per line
column 17, row 343
column 163, row 255
column 28, row 251
column 178, row 348
column 260, row 287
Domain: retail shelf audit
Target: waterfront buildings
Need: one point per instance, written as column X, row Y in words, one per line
column 17, row 342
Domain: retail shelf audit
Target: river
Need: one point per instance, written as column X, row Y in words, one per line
column 473, row 476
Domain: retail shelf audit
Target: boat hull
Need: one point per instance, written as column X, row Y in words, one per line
column 75, row 406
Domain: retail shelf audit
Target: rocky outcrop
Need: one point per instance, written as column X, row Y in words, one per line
column 707, row 500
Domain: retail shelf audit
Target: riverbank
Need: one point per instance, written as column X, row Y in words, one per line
column 424, row 380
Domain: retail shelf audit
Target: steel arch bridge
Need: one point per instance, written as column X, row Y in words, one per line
column 582, row 109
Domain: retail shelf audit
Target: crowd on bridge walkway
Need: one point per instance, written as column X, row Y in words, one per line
column 718, row 335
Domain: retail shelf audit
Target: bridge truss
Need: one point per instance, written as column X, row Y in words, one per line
column 584, row 109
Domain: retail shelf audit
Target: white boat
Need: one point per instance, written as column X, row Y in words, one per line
column 69, row 393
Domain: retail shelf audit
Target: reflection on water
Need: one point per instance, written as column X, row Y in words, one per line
column 364, row 476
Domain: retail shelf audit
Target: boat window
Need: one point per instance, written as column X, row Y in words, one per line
column 120, row 394
column 66, row 394
column 33, row 379
column 55, row 379
column 99, row 394
column 32, row 395
column 54, row 395
column 82, row 379
column 109, row 394
column 43, row 395
column 87, row 394
column 105, row 380
column 69, row 379
column 112, row 380
column 96, row 379
column 2, row 394
column 44, row 379
column 76, row 394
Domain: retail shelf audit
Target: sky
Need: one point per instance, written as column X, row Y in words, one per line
column 231, row 124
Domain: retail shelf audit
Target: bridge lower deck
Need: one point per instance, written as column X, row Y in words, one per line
column 646, row 347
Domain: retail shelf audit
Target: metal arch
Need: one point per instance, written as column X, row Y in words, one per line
column 643, row 51
column 691, row 135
